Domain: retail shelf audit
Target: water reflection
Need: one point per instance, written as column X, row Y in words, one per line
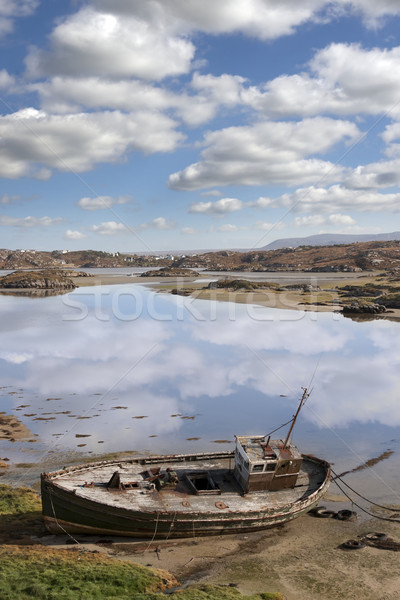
column 124, row 368
column 33, row 293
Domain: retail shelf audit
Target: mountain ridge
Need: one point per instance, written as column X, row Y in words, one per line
column 331, row 239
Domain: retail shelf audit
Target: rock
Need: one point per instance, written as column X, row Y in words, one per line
column 170, row 272
column 44, row 280
column 364, row 308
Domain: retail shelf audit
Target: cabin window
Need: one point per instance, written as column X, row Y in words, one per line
column 271, row 466
column 257, row 468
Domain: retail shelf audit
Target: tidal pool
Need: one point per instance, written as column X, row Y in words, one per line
column 118, row 368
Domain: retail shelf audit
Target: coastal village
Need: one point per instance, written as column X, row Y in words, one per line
column 368, row 274
column 354, row 257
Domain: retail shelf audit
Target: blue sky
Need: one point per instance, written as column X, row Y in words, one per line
column 151, row 125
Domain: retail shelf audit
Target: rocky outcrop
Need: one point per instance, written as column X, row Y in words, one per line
column 170, row 272
column 43, row 280
column 77, row 274
column 363, row 308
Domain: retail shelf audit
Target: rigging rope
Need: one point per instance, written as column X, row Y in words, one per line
column 278, row 428
column 363, row 497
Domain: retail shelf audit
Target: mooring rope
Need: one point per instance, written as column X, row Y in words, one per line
column 154, row 534
column 363, row 497
column 171, row 526
column 56, row 520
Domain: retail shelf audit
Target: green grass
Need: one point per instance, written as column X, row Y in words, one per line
column 41, row 572
column 215, row 592
column 44, row 573
column 18, row 501
column 30, row 572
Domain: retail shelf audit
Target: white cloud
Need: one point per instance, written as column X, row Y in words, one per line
column 109, row 228
column 316, row 220
column 266, row 226
column 262, row 202
column 225, row 89
column 7, row 199
column 373, row 12
column 101, row 202
column 265, row 19
column 78, row 142
column 338, row 219
column 15, row 358
column 63, row 94
column 267, row 153
column 11, row 9
column 334, row 199
column 390, row 135
column 228, row 227
column 344, row 79
column 74, row 235
column 29, row 221
column 211, row 193
column 160, row 223
column 151, row 40
column 219, row 207
column 382, row 174
column 69, row 94
column 106, row 44
column 6, row 80
column 188, row 230
column 42, row 174
column 312, row 220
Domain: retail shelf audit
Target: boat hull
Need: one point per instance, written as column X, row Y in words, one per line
column 65, row 511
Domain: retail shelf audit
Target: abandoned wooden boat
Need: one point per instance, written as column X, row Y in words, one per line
column 261, row 484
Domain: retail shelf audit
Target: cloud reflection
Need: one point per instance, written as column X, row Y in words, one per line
column 114, row 370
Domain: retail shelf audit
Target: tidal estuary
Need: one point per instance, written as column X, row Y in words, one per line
column 121, row 368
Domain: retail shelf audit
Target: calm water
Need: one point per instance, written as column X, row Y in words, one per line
column 122, row 368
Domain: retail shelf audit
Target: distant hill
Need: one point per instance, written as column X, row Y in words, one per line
column 331, row 239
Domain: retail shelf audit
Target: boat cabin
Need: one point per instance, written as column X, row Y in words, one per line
column 264, row 464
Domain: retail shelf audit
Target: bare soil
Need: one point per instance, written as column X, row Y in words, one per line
column 12, row 429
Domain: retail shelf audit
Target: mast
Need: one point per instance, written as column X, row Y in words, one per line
column 304, row 397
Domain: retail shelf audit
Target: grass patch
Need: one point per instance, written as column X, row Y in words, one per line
column 18, row 501
column 48, row 574
column 39, row 572
column 20, row 513
column 216, row 592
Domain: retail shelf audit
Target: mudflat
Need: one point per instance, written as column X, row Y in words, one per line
column 323, row 297
column 303, row 560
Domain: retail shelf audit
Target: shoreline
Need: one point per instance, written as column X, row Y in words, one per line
column 324, row 297
column 301, row 560
column 325, row 300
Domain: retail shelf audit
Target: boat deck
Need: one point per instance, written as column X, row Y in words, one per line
column 90, row 483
